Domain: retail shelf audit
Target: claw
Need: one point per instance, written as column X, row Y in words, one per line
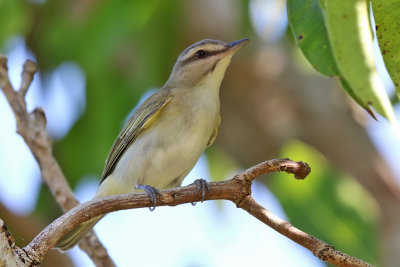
column 152, row 192
column 202, row 185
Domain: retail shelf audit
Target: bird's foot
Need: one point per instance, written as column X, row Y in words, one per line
column 152, row 192
column 202, row 186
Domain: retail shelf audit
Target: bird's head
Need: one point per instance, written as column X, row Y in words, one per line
column 202, row 61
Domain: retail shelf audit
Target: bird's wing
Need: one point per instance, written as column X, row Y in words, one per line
column 137, row 122
column 214, row 133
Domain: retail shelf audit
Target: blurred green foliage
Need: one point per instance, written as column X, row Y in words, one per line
column 112, row 88
column 15, row 18
column 328, row 204
column 220, row 163
column 123, row 52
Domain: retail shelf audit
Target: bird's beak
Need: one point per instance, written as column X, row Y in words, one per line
column 235, row 46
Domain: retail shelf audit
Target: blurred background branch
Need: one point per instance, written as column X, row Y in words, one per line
column 32, row 127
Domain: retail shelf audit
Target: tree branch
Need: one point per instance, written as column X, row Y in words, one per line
column 319, row 248
column 32, row 128
column 237, row 190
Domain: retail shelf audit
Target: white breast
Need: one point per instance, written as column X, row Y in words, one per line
column 170, row 148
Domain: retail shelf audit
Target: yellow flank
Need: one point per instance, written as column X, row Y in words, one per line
column 215, row 132
column 155, row 114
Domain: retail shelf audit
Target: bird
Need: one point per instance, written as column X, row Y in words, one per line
column 166, row 135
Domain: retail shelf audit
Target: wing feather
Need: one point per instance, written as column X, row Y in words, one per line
column 141, row 119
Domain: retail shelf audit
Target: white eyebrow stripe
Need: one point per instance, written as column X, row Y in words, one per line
column 208, row 48
column 207, row 45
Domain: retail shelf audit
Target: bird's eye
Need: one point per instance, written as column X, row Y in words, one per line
column 200, row 54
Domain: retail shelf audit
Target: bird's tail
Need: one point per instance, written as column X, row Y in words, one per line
column 73, row 237
column 107, row 187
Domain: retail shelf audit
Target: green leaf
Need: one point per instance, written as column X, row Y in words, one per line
column 351, row 93
column 387, row 21
column 308, row 26
column 351, row 40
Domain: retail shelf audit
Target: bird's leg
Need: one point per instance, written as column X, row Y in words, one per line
column 202, row 185
column 152, row 192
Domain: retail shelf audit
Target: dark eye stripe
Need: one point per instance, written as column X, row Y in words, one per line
column 201, row 54
column 206, row 54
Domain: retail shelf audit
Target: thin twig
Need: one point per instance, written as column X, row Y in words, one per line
column 237, row 190
column 32, row 127
column 28, row 70
column 319, row 248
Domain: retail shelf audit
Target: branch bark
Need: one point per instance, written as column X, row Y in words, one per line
column 32, row 127
column 237, row 190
